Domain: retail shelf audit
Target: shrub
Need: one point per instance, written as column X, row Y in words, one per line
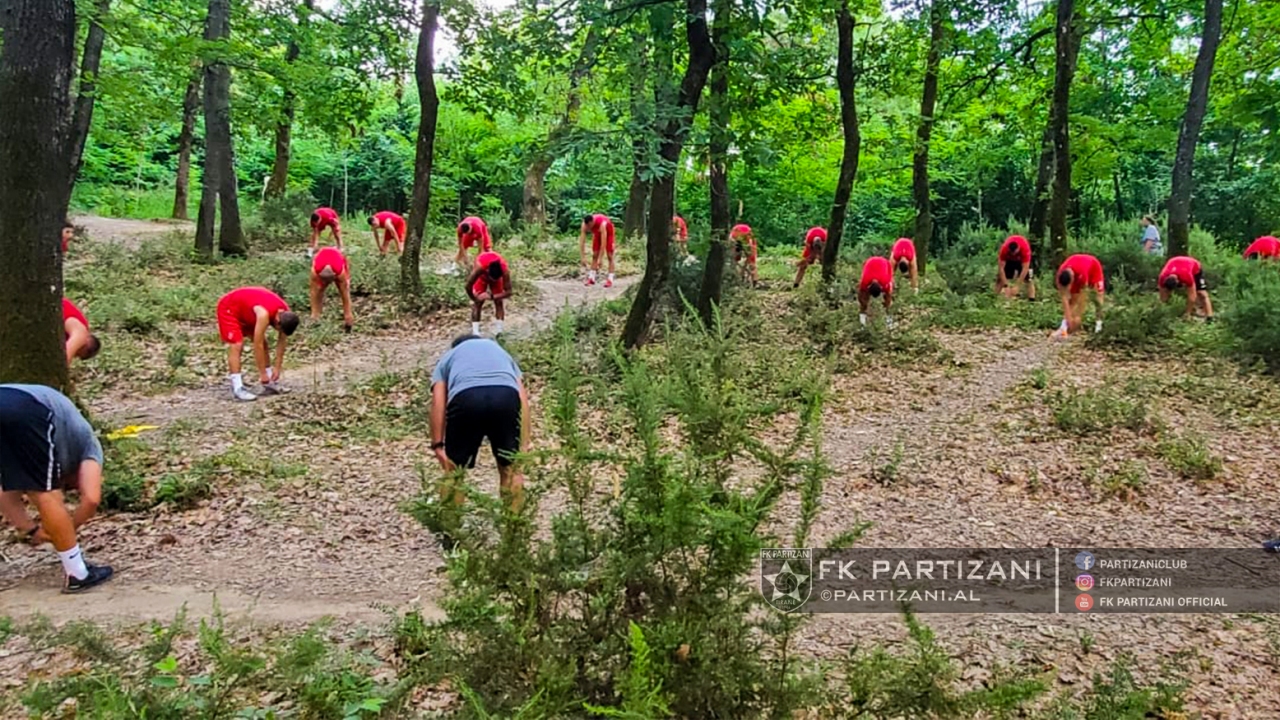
column 1137, row 322
column 1190, row 457
column 1096, row 411
column 282, row 222
column 1253, row 316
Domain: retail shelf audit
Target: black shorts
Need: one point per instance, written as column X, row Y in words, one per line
column 1012, row 268
column 27, row 460
column 492, row 411
column 1200, row 283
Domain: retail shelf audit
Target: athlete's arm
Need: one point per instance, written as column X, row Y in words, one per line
column 77, row 338
column 582, row 245
column 471, row 281
column 1191, row 299
column 261, row 323
column 524, row 417
column 439, row 398
column 506, row 286
column 1026, row 270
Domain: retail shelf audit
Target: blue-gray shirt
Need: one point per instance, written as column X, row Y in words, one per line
column 73, row 438
column 476, row 363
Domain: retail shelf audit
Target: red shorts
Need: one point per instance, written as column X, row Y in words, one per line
column 597, row 242
column 229, row 327
column 484, row 285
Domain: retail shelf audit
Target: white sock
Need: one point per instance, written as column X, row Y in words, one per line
column 862, row 318
column 475, row 328
column 610, row 277
column 1097, row 326
column 237, row 382
column 1063, row 326
column 591, row 275
column 497, row 327
column 73, row 563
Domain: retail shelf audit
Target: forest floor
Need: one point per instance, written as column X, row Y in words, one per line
column 306, row 517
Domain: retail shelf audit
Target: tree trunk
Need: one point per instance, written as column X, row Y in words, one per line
column 633, row 216
column 1117, row 195
column 535, row 178
column 1067, row 50
column 1189, row 135
column 420, row 203
column 88, row 90
column 1040, row 199
column 845, row 81
column 920, row 164
column 182, row 184
column 657, row 271
column 719, row 111
column 36, row 60
column 218, row 188
column 279, row 181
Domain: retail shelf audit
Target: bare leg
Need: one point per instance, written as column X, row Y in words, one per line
column 801, row 267
column 317, row 298
column 610, row 254
column 476, row 307
column 337, row 238
column 233, row 357
column 54, row 519
column 511, row 486
column 14, row 510
column 344, row 289
column 499, row 310
column 595, row 260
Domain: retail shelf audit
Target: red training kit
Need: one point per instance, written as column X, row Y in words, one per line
column 877, row 269
column 1184, row 268
column 903, row 249
column 602, row 232
column 398, row 225
column 814, row 235
column 1086, row 271
column 1265, row 246
column 71, row 312
column 331, row 258
column 1023, row 247
column 682, row 228
column 235, row 311
column 479, row 234
column 484, row 282
column 325, row 218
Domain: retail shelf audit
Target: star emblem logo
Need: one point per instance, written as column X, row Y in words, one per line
column 786, row 577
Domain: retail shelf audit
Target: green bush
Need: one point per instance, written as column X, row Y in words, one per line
column 1253, row 315
column 283, row 222
column 1190, row 457
column 1137, row 322
column 1095, row 411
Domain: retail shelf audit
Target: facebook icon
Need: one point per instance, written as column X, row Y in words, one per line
column 1084, row 560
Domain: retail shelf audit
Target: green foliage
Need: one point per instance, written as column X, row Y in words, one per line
column 1253, row 315
column 1095, row 411
column 1190, row 457
column 282, row 222
column 1117, row 695
column 1137, row 323
column 1123, row 482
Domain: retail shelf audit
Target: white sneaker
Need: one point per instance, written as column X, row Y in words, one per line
column 243, row 394
column 311, row 252
column 1097, row 326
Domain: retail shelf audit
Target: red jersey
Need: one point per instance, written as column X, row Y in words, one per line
column 479, row 234
column 237, row 307
column 1182, row 267
column 815, row 235
column 903, row 249
column 1020, row 244
column 1265, row 246
column 484, row 283
column 877, row 269
column 71, row 312
column 682, row 228
column 602, row 233
column 739, row 231
column 331, row 258
column 324, row 218
column 396, row 222
column 1086, row 270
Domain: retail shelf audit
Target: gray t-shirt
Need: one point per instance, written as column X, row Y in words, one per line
column 73, row 438
column 476, row 363
column 1152, row 234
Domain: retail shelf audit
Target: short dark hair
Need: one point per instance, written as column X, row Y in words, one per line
column 463, row 338
column 1170, row 282
column 1252, row 256
column 372, row 220
column 315, row 218
column 495, row 269
column 903, row 265
column 91, row 348
column 68, row 224
column 588, row 219
column 1014, row 252
column 874, row 288
column 1064, row 278
column 288, row 322
column 465, row 228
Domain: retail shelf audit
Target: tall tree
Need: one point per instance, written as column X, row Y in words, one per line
column 279, row 180
column 1189, row 135
column 420, row 203
column 1067, row 49
column 1040, row 197
column 218, row 191
column 846, row 80
column 718, row 109
column 635, row 212
column 920, row 162
column 90, row 62
column 186, row 138
column 674, row 131
column 36, row 61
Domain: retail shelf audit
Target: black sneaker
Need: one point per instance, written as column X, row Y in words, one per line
column 1272, row 545
column 98, row 574
column 447, row 543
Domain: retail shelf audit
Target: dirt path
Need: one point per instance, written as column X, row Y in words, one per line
column 129, row 233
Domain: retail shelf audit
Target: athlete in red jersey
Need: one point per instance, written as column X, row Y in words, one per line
column 472, row 231
column 489, row 280
column 602, row 237
column 322, row 219
column 330, row 267
column 903, row 257
column 876, row 282
column 744, row 252
column 1076, row 274
column 68, row 233
column 815, row 241
column 250, row 311
column 393, row 227
column 680, row 233
column 1013, row 268
column 1264, row 247
column 80, row 343
column 1185, row 272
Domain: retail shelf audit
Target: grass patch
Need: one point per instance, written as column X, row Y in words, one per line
column 1190, row 457
column 1125, row 482
column 1091, row 412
